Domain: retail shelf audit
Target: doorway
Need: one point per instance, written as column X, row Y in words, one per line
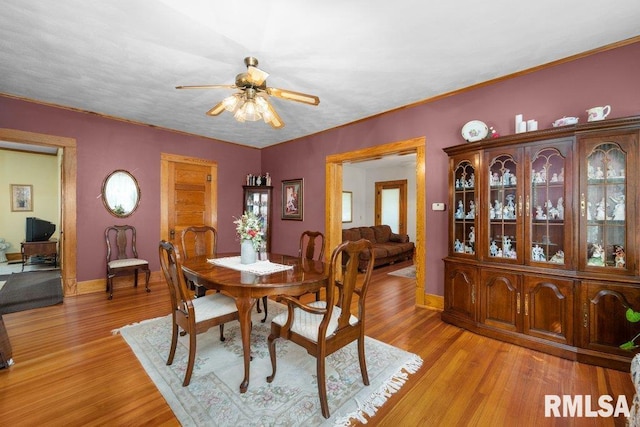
column 67, row 244
column 333, row 208
column 391, row 205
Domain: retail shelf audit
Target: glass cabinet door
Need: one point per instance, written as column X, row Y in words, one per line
column 505, row 209
column 603, row 205
column 464, row 217
column 545, row 207
column 258, row 200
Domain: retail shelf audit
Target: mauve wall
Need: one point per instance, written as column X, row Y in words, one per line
column 105, row 145
column 565, row 90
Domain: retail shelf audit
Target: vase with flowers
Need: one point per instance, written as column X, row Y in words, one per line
column 250, row 233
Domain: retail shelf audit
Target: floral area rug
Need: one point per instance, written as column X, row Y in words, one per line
column 409, row 272
column 213, row 397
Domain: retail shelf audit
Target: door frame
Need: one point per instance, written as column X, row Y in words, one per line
column 68, row 201
column 333, row 198
column 165, row 158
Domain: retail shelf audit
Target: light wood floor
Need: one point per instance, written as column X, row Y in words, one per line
column 69, row 368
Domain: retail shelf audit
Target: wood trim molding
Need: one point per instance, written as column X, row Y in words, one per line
column 333, row 198
column 68, row 202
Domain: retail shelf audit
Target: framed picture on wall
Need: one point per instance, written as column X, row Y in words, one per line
column 292, row 199
column 21, row 198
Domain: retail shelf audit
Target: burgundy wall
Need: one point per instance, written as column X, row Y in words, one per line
column 564, row 90
column 104, row 145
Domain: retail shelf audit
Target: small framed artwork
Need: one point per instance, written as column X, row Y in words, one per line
column 292, row 199
column 347, row 206
column 21, row 198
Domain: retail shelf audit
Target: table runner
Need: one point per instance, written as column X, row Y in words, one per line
column 260, row 268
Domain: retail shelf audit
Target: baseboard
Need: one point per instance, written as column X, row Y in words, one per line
column 100, row 285
column 434, row 302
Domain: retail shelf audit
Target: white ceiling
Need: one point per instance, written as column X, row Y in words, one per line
column 123, row 58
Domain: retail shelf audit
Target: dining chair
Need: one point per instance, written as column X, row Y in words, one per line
column 192, row 315
column 309, row 241
column 198, row 241
column 122, row 256
column 323, row 327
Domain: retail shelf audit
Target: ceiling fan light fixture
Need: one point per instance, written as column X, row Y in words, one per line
column 233, row 102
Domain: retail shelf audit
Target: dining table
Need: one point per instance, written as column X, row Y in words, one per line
column 249, row 283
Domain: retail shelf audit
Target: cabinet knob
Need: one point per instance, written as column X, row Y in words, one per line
column 518, row 303
column 583, row 205
column 520, row 205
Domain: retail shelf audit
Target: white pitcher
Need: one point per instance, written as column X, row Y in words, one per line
column 598, row 113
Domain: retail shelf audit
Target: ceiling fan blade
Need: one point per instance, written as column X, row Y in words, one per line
column 293, row 96
column 219, row 108
column 273, row 118
column 207, row 87
column 256, row 75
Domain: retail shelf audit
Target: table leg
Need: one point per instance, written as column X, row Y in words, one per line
column 245, row 305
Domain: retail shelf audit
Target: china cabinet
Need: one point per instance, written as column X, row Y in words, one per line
column 542, row 239
column 258, row 199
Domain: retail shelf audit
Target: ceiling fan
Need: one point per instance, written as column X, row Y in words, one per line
column 252, row 101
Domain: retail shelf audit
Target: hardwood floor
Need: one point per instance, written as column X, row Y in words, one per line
column 70, row 369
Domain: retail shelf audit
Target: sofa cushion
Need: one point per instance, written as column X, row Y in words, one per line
column 367, row 233
column 351, row 234
column 382, row 233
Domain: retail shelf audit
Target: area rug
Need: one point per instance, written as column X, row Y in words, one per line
column 28, row 290
column 213, row 397
column 409, row 272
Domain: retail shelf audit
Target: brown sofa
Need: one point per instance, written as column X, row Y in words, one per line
column 388, row 247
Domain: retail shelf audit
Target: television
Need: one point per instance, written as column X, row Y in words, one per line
column 39, row 230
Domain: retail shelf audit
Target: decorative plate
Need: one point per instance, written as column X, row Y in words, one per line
column 475, row 130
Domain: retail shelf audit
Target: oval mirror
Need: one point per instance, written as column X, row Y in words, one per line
column 120, row 193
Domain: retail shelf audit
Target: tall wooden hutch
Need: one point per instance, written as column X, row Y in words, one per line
column 543, row 239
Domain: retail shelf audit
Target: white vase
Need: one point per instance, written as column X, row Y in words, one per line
column 247, row 252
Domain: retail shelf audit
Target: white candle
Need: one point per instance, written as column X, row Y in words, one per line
column 518, row 121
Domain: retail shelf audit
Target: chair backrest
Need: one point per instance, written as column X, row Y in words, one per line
column 121, row 242
column 199, row 240
column 172, row 269
column 311, row 245
column 344, row 280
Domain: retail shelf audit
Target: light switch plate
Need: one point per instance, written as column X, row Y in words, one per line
column 437, row 206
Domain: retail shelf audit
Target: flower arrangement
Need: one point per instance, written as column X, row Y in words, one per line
column 249, row 227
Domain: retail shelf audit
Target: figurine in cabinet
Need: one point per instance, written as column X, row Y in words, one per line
column 497, row 206
column 493, row 248
column 558, row 257
column 506, row 177
column 472, row 236
column 539, row 213
column 472, row 210
column 599, row 173
column 619, row 208
column 560, row 208
column 595, row 255
column 619, row 256
column 537, row 253
column 600, row 211
column 457, row 246
column 460, row 211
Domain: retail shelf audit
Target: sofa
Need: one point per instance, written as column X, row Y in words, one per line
column 388, row 247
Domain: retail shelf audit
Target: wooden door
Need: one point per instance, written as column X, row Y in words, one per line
column 460, row 291
column 501, row 300
column 396, row 204
column 188, row 195
column 548, row 308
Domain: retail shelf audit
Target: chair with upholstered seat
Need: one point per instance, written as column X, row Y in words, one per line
column 323, row 327
column 198, row 241
column 122, row 256
column 192, row 315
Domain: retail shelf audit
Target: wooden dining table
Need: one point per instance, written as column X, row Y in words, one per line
column 306, row 276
